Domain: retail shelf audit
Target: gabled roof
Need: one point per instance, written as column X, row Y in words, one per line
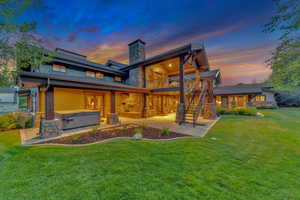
column 194, row 47
column 241, row 88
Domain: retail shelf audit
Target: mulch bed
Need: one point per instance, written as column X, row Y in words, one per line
column 108, row 133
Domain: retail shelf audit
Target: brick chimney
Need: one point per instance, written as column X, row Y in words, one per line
column 136, row 51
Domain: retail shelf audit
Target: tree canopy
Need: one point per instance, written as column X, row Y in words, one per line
column 285, row 60
column 19, row 47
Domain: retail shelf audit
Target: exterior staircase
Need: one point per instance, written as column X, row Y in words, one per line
column 194, row 108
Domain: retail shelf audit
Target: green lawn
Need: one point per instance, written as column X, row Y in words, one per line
column 251, row 158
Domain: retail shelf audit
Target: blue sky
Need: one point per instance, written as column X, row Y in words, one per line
column 230, row 29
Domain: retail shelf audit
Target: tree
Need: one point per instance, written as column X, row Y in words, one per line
column 285, row 60
column 19, row 47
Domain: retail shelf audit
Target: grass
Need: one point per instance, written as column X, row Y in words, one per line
column 250, row 158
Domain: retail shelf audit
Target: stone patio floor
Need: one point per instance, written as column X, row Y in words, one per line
column 30, row 136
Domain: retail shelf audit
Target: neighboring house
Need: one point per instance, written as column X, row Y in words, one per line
column 176, row 81
column 242, row 95
column 8, row 100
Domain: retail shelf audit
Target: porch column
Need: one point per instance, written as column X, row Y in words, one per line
column 49, row 103
column 50, row 127
column 181, row 106
column 112, row 117
column 145, row 106
column 181, row 80
column 113, row 102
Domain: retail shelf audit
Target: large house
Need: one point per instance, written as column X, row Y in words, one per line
column 243, row 95
column 176, row 81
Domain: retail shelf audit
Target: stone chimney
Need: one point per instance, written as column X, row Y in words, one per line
column 136, row 51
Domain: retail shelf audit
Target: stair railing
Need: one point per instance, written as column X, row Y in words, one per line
column 198, row 109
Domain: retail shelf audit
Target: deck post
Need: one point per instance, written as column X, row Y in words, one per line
column 113, row 102
column 112, row 117
column 49, row 103
column 50, row 127
column 145, row 106
column 181, row 106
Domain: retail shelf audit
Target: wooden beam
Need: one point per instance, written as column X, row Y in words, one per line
column 113, row 102
column 181, row 80
column 49, row 102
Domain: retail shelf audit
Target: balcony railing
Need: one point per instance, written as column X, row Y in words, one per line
column 169, row 83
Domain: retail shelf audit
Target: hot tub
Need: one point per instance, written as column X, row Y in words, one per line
column 72, row 119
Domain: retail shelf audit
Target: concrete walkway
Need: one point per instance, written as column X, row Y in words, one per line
column 168, row 121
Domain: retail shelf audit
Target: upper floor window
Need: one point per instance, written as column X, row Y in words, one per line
column 99, row 75
column 90, row 74
column 260, row 98
column 118, row 78
column 59, row 68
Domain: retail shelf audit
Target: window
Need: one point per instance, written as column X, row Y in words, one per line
column 260, row 98
column 118, row 78
column 90, row 74
column 99, row 75
column 59, row 68
column 240, row 101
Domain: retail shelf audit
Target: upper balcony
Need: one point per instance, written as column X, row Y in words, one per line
column 165, row 74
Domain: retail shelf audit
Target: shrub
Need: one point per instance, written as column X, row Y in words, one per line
column 29, row 123
column 139, row 130
column 94, row 129
column 266, row 107
column 165, row 132
column 75, row 137
column 12, row 121
column 143, row 126
column 238, row 111
column 250, row 111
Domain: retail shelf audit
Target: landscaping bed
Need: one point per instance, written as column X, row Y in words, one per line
column 119, row 131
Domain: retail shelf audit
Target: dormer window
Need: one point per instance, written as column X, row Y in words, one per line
column 59, row 68
column 118, row 78
column 99, row 75
column 90, row 74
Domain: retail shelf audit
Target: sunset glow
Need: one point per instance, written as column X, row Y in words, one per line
column 231, row 31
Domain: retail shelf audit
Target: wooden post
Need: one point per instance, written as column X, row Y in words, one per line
column 113, row 102
column 181, row 80
column 145, row 110
column 49, row 103
column 180, row 115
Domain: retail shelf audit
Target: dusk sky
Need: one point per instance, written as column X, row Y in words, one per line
column 231, row 30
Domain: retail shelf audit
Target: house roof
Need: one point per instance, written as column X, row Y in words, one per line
column 71, row 58
column 8, row 90
column 117, row 65
column 78, row 82
column 242, row 89
column 170, row 54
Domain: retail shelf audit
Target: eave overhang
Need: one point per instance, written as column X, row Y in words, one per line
column 77, row 82
column 186, row 50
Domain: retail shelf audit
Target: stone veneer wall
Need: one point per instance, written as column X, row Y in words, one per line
column 136, row 54
column 50, row 128
column 136, row 77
